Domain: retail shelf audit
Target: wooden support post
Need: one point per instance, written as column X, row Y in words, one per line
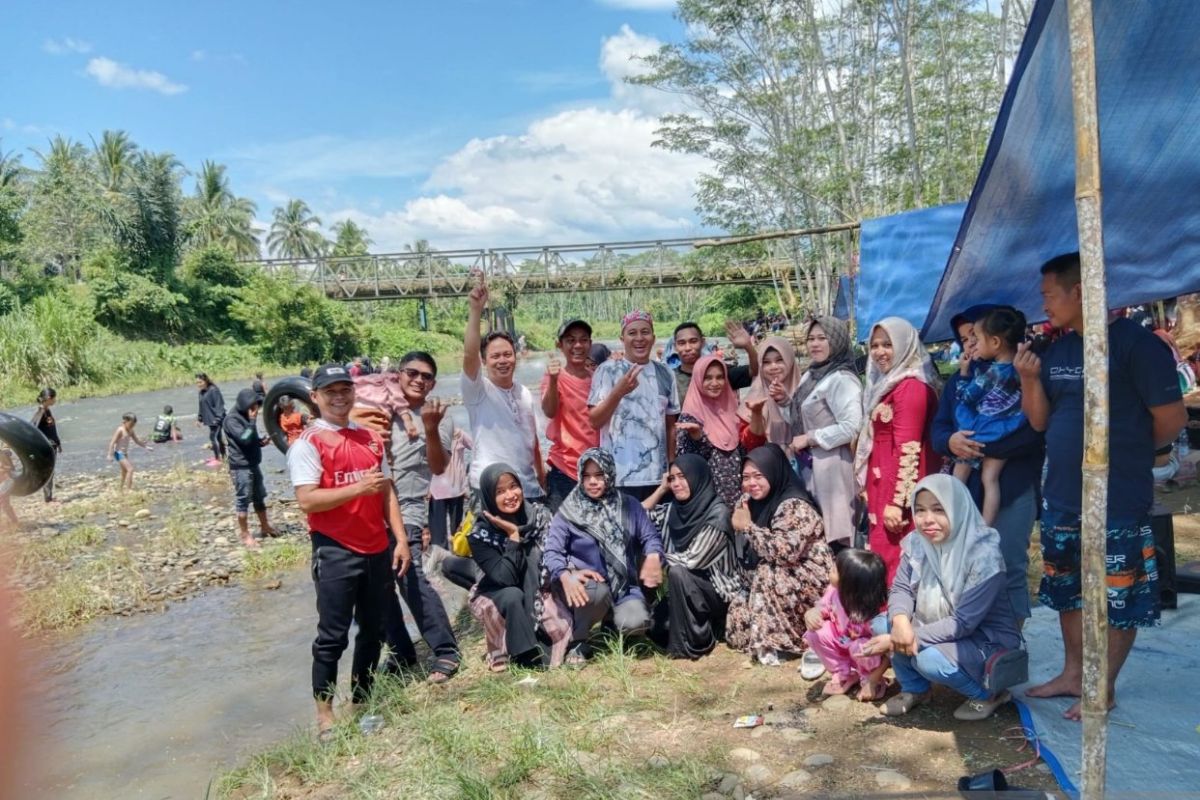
column 1095, row 399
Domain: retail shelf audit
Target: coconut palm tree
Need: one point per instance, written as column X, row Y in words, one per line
column 10, row 169
column 352, row 239
column 215, row 216
column 115, row 155
column 294, row 232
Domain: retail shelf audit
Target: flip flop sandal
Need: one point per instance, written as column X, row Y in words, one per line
column 976, row 710
column 443, row 670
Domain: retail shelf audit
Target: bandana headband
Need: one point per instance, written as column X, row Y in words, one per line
column 636, row 315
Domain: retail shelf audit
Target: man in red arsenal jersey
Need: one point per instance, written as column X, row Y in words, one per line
column 343, row 484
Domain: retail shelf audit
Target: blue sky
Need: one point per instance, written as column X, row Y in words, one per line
column 470, row 123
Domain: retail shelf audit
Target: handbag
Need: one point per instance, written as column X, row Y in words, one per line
column 458, row 542
column 1006, row 668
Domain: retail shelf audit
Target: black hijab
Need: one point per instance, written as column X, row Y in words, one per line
column 702, row 508
column 525, row 519
column 972, row 314
column 773, row 463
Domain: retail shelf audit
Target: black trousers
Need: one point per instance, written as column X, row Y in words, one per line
column 693, row 615
column 428, row 611
column 558, row 486
column 520, row 632
column 461, row 571
column 444, row 518
column 350, row 586
column 216, row 441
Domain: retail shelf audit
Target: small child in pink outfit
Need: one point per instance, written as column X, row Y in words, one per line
column 839, row 626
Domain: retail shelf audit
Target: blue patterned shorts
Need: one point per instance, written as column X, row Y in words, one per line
column 1132, row 569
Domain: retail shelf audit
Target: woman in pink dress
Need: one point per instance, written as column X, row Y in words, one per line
column 894, row 448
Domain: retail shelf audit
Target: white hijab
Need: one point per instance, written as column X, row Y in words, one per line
column 909, row 360
column 966, row 558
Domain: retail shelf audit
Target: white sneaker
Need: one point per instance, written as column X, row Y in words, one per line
column 811, row 667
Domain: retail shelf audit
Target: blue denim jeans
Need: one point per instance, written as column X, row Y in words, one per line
column 930, row 664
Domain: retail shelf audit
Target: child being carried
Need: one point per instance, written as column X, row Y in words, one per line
column 989, row 397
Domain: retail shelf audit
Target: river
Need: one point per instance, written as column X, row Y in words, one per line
column 154, row 706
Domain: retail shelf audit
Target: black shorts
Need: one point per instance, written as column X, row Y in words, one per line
column 249, row 490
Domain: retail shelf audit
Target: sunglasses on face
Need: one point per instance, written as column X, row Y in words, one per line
column 413, row 374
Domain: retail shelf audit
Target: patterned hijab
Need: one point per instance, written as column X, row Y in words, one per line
column 909, row 360
column 604, row 519
column 969, row 556
column 779, row 428
column 718, row 417
column 841, row 358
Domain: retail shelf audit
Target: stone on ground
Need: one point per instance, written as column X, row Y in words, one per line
column 744, row 755
column 890, row 779
column 818, row 760
column 795, row 779
column 759, row 774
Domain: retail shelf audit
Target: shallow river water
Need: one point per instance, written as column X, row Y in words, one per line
column 154, row 706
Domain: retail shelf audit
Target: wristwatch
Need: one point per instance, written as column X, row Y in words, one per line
column 1165, row 449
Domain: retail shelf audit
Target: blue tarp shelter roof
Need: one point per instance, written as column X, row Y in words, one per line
column 901, row 260
column 1022, row 210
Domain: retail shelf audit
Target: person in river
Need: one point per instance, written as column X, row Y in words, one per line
column 601, row 550
column 503, row 423
column 43, row 420
column 703, row 575
column 166, row 427
column 292, row 421
column 512, row 598
column 118, row 447
column 211, row 415
column 414, row 461
column 565, row 389
column 245, row 466
column 343, row 484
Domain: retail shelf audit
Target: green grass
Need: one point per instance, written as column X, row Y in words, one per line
column 276, row 556
column 486, row 736
column 179, row 532
column 92, row 590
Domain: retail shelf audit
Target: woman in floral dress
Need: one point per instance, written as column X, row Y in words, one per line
column 709, row 425
column 895, row 449
column 783, row 530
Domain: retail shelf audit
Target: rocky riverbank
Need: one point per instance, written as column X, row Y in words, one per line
column 99, row 551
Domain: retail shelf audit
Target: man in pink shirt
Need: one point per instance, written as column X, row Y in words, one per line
column 565, row 389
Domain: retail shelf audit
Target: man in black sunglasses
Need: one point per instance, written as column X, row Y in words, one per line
column 415, row 459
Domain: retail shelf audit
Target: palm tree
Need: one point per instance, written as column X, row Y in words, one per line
column 10, row 169
column 114, row 156
column 352, row 239
column 215, row 216
column 293, row 234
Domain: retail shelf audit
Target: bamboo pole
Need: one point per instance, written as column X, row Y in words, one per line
column 760, row 237
column 1088, row 197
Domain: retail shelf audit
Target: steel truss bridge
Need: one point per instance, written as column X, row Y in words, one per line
column 609, row 266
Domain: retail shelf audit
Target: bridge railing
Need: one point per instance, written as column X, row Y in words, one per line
column 566, row 268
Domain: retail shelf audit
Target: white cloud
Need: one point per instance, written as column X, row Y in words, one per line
column 641, row 5
column 332, row 158
column 115, row 75
column 58, row 47
column 580, row 175
column 199, row 55
column 620, row 58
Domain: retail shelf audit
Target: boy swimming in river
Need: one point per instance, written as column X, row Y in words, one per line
column 118, row 447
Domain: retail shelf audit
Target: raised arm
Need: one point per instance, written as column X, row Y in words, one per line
column 433, row 413
column 739, row 337
column 476, row 302
column 550, row 388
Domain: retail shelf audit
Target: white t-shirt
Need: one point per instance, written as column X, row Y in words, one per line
column 304, row 462
column 636, row 435
column 503, row 427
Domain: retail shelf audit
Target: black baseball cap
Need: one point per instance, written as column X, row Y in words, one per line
column 329, row 374
column 571, row 323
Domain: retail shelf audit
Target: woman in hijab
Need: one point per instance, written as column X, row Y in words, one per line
column 601, row 550
column 703, row 576
column 826, row 416
column 708, row 426
column 506, row 544
column 894, row 447
column 783, row 529
column 766, row 411
column 948, row 609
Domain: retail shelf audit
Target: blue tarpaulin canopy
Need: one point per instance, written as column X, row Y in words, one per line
column 902, row 258
column 841, row 303
column 1022, row 210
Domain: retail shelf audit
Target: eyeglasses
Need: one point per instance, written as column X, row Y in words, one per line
column 413, row 374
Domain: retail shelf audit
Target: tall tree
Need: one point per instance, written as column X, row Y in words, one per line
column 63, row 220
column 294, row 232
column 352, row 239
column 115, row 154
column 10, row 168
column 215, row 216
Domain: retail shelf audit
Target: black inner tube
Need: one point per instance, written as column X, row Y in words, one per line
column 34, row 451
column 296, row 388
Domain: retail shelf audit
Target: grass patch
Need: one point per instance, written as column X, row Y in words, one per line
column 178, row 532
column 276, row 556
column 583, row 735
column 100, row 586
